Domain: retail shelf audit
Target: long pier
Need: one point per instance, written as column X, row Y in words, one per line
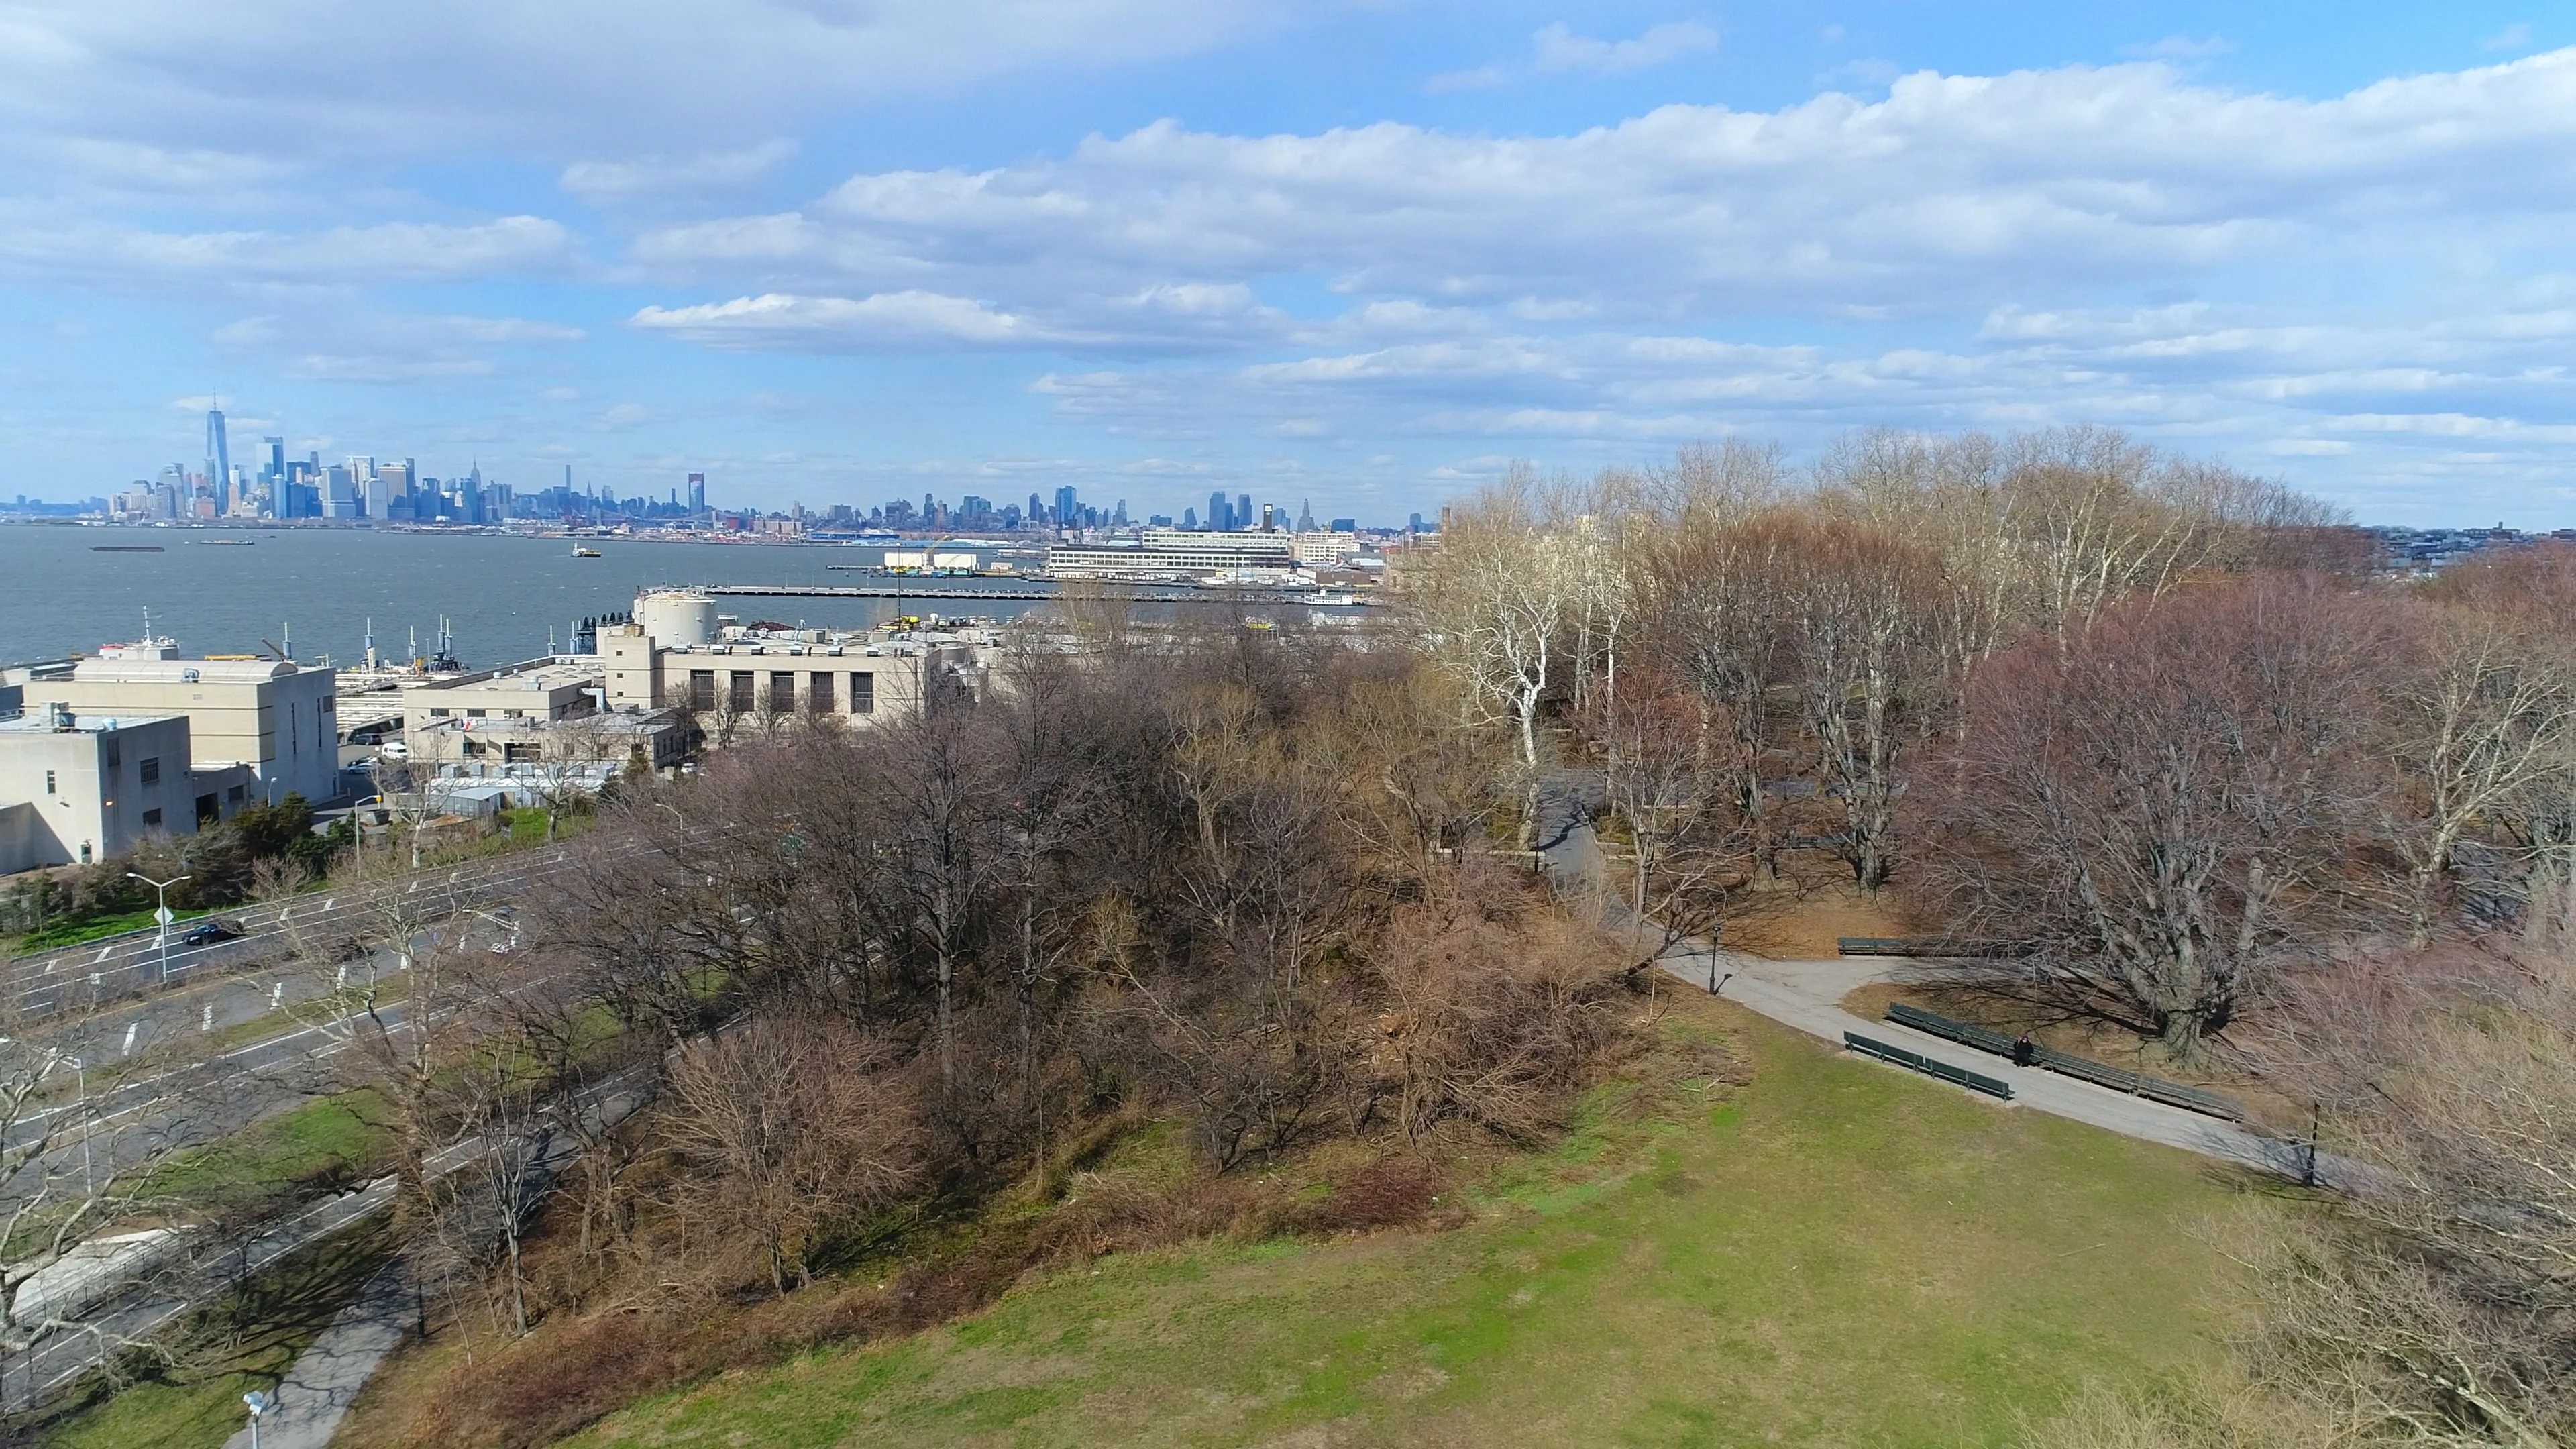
column 1031, row 590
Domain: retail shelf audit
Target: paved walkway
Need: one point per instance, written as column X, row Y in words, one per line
column 1807, row 995
column 328, row 1374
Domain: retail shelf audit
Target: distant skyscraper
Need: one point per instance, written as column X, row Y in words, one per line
column 1189, row 518
column 219, row 460
column 1220, row 513
column 1068, row 507
column 1243, row 514
column 1305, row 517
column 697, row 493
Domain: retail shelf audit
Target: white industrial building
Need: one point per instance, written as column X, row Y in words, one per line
column 277, row 720
column 74, row 789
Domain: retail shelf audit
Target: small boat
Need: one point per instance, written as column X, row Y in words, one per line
column 126, row 548
column 225, row 542
column 580, row 552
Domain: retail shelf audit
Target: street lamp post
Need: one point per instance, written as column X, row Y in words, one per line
column 89, row 1179
column 258, row 1404
column 161, row 915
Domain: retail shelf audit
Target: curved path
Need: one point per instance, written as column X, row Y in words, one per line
column 1808, row 995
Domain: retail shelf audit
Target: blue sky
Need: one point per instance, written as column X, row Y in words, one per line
column 1363, row 253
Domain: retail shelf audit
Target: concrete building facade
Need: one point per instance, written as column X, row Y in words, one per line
column 276, row 720
column 75, row 789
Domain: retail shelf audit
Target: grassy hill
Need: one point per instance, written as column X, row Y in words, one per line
column 1834, row 1254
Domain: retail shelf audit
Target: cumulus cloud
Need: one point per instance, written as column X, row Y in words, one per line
column 1954, row 190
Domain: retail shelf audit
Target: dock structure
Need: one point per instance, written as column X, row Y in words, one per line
column 1027, row 590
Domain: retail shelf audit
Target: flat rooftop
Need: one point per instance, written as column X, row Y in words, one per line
column 37, row 722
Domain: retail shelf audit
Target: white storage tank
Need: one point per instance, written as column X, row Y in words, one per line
column 952, row 560
column 677, row 617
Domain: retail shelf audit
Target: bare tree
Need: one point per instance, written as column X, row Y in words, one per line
column 796, row 1128
column 2436, row 1303
column 1498, row 606
column 2164, row 809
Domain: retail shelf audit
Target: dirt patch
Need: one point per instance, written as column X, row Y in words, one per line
column 1806, row 927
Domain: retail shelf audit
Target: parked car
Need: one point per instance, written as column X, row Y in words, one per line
column 210, row 930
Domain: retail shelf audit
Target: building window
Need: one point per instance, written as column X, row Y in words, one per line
column 474, row 714
column 438, row 714
column 738, row 698
column 151, row 770
column 702, row 689
column 233, row 795
column 863, row 693
column 49, row 782
column 151, row 820
column 818, row 694
column 115, row 752
column 782, row 691
column 209, row 810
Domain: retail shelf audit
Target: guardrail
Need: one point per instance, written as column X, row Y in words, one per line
column 1993, row 1087
column 2083, row 1069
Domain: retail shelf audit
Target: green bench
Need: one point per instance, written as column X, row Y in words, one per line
column 2083, row 1069
column 1929, row 1066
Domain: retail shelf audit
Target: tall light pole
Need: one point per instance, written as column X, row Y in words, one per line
column 161, row 915
column 258, row 1404
column 89, row 1179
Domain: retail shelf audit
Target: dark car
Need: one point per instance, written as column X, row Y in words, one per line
column 208, row 932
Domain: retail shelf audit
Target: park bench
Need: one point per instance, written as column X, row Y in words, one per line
column 2083, row 1069
column 1928, row 1066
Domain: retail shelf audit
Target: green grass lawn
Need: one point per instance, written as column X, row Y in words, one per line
column 95, row 928
column 329, row 1135
column 1837, row 1254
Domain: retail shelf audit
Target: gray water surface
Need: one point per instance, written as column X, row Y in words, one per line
column 501, row 593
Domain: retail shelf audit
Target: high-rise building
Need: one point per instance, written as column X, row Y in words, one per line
column 1190, row 519
column 219, row 459
column 1220, row 513
column 697, row 493
column 1068, row 507
column 1242, row 511
column 1305, row 517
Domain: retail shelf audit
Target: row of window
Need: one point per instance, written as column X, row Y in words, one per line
column 744, row 694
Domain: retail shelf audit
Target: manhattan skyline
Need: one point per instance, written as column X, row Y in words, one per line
column 1363, row 255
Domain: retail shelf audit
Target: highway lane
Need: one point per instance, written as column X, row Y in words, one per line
column 117, row 966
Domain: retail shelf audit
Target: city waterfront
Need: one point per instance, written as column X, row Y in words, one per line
column 501, row 594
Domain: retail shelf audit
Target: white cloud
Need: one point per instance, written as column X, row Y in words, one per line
column 1560, row 49
column 662, row 177
column 347, row 78
column 1954, row 191
column 2512, row 37
column 389, row 252
column 779, row 320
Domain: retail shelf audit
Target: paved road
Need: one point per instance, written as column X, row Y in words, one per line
column 117, row 966
column 1807, row 995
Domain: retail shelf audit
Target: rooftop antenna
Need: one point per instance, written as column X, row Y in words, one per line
column 147, row 623
column 371, row 643
column 286, row 631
